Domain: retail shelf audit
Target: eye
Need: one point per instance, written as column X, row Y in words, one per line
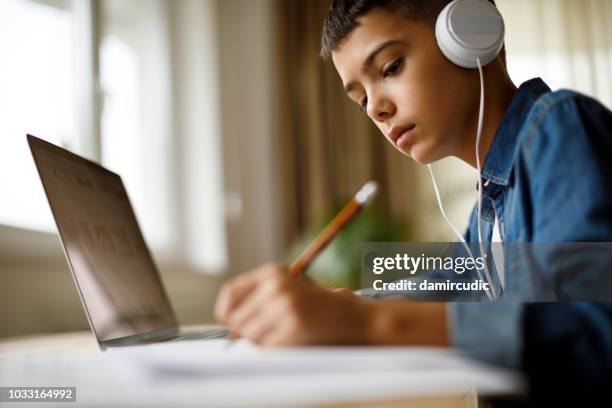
column 393, row 68
column 364, row 103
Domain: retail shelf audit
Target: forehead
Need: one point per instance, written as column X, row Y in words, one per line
column 374, row 28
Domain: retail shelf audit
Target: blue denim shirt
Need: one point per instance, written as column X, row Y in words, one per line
column 548, row 179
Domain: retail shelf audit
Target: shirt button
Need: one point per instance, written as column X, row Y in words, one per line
column 486, row 183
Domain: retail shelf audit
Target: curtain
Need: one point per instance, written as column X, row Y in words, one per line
column 566, row 42
column 329, row 148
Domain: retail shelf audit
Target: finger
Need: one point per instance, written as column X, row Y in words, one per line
column 256, row 299
column 235, row 291
column 280, row 335
column 263, row 323
column 342, row 291
column 228, row 298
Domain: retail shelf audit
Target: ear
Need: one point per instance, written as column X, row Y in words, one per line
column 470, row 30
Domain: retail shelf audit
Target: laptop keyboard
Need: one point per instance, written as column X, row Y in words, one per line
column 206, row 334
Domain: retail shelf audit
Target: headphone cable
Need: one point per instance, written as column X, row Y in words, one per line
column 491, row 294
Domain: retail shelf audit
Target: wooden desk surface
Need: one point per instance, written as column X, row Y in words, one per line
column 49, row 344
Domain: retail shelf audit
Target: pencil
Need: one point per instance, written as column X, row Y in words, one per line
column 350, row 210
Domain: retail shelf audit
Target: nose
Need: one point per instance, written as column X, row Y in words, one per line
column 380, row 109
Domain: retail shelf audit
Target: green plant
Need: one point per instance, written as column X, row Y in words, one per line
column 339, row 265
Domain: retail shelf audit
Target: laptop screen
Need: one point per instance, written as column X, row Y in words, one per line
column 118, row 281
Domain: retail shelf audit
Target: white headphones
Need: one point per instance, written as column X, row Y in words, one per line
column 470, row 34
column 467, row 30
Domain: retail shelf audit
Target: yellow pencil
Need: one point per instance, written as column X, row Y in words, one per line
column 350, row 210
column 363, row 197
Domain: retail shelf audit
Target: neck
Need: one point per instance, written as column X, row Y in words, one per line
column 499, row 90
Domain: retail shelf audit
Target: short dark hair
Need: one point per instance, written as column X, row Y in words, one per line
column 342, row 16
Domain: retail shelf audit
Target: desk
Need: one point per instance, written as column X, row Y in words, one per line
column 310, row 390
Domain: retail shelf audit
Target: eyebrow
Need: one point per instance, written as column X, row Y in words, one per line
column 367, row 63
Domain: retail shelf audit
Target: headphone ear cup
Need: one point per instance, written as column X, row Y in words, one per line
column 468, row 30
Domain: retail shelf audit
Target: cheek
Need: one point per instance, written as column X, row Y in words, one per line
column 437, row 87
column 450, row 93
column 431, row 108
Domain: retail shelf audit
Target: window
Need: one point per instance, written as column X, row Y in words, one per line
column 104, row 79
column 37, row 97
column 567, row 43
column 42, row 82
column 136, row 122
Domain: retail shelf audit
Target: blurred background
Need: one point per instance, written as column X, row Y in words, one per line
column 234, row 139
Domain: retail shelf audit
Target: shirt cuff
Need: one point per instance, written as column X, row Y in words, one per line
column 487, row 331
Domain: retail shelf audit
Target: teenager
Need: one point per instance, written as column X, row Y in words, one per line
column 545, row 173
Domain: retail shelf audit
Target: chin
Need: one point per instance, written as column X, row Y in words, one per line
column 423, row 161
column 419, row 155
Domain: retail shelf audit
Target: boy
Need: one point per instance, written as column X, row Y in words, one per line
column 545, row 176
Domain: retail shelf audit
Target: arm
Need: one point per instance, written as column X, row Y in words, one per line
column 395, row 323
column 270, row 308
column 569, row 362
column 568, row 346
column 564, row 162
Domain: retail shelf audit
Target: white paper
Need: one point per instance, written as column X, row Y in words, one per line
column 211, row 373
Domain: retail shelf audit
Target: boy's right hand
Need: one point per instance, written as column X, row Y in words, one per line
column 272, row 308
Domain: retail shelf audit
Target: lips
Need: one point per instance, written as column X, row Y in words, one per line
column 398, row 134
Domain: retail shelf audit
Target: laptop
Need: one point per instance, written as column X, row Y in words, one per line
column 116, row 278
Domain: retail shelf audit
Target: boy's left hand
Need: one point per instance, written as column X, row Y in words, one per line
column 272, row 308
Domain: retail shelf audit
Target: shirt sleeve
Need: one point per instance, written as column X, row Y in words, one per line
column 487, row 331
column 565, row 159
column 568, row 360
column 569, row 159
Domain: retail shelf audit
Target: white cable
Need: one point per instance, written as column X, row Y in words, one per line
column 478, row 137
column 455, row 230
column 491, row 294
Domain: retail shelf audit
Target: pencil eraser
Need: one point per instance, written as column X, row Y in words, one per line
column 367, row 192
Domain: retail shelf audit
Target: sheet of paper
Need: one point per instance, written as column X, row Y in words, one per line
column 213, row 373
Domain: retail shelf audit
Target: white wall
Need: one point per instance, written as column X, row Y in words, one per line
column 247, row 56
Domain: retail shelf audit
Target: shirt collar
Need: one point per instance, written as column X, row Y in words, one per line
column 500, row 158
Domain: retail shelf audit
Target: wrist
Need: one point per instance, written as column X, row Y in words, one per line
column 376, row 322
column 405, row 323
column 435, row 324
